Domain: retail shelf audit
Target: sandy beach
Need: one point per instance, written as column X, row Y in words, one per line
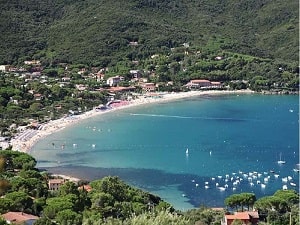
column 26, row 139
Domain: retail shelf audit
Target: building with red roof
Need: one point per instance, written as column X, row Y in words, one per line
column 203, row 84
column 249, row 217
column 54, row 184
column 19, row 218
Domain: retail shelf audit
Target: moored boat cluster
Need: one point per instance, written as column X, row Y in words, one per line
column 256, row 179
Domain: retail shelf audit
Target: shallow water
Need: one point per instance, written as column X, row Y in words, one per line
column 229, row 139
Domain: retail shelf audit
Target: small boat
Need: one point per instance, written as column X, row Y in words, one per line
column 262, row 185
column 297, row 168
column 222, row 188
column 280, row 161
column 206, row 187
column 187, row 151
column 284, row 187
column 293, row 184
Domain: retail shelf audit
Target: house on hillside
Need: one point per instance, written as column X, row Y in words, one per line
column 4, row 68
column 81, row 87
column 32, row 62
column 85, row 187
column 198, row 83
column 38, row 97
column 100, row 77
column 19, row 218
column 203, row 84
column 66, row 79
column 249, row 217
column 113, row 81
column 54, row 184
column 215, row 84
column 135, row 73
column 148, row 87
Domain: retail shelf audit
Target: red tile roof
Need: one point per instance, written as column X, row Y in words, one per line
column 17, row 217
column 56, row 181
column 243, row 215
column 238, row 216
column 86, row 187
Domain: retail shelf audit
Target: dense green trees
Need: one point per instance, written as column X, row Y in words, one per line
column 279, row 208
column 242, row 200
column 17, row 160
column 112, row 197
column 68, row 217
column 204, row 216
column 282, row 201
column 63, row 31
column 21, row 184
column 20, row 201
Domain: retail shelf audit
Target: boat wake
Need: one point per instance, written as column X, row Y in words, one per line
column 188, row 117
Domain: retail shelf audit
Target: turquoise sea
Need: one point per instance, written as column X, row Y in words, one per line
column 233, row 144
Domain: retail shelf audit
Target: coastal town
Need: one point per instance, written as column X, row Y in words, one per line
column 41, row 99
column 35, row 95
column 42, row 87
column 149, row 112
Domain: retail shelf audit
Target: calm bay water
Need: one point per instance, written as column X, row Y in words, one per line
column 233, row 142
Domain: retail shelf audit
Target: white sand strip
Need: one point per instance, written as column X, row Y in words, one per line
column 25, row 140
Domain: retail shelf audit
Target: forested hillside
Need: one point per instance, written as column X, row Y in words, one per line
column 100, row 33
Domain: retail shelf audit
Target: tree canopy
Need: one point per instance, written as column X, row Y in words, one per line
column 100, row 34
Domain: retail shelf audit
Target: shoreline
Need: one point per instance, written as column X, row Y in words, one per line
column 26, row 139
column 174, row 197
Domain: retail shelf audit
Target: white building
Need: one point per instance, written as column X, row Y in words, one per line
column 4, row 68
column 113, row 81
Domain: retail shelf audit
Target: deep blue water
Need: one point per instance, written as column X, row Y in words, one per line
column 232, row 140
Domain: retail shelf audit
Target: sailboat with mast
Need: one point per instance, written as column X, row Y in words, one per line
column 280, row 161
